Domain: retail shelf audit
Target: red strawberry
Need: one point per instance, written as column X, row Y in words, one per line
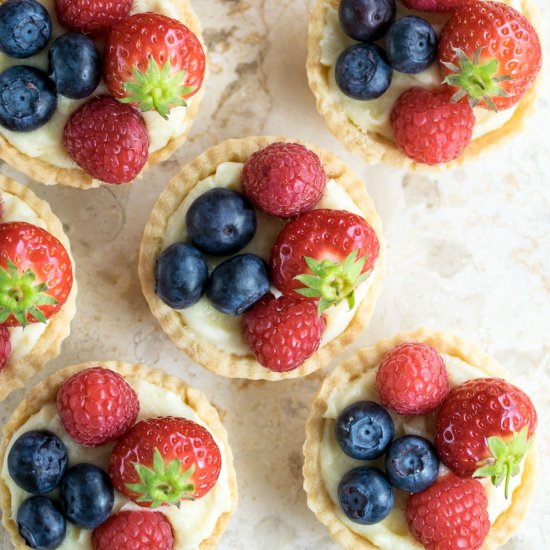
column 108, row 140
column 412, row 379
column 91, row 16
column 429, row 128
column 153, row 61
column 284, row 179
column 324, row 255
column 5, row 347
column 164, row 460
column 449, row 515
column 484, row 428
column 491, row 53
column 97, row 406
column 434, row 5
column 134, row 529
column 282, row 332
column 36, row 274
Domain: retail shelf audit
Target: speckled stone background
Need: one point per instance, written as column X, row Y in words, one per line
column 468, row 252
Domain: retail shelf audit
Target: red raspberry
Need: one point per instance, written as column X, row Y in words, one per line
column 283, row 332
column 96, row 406
column 434, row 5
column 412, row 379
column 135, row 530
column 449, row 515
column 107, row 139
column 91, row 16
column 431, row 129
column 284, row 179
column 5, row 346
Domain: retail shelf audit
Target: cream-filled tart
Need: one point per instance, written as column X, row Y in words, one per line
column 28, row 227
column 440, row 384
column 235, row 305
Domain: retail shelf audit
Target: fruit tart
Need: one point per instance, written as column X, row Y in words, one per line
column 420, row 83
column 94, row 92
column 263, row 258
column 37, row 286
column 111, row 455
column 420, row 442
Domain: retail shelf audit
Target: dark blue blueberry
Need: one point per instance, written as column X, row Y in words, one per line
column 411, row 45
column 87, row 496
column 411, row 463
column 181, row 275
column 363, row 72
column 365, row 495
column 25, row 28
column 75, row 65
column 364, row 430
column 27, row 98
column 41, row 523
column 221, row 222
column 366, row 20
column 238, row 283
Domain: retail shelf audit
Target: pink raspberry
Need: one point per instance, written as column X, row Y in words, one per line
column 5, row 346
column 434, row 5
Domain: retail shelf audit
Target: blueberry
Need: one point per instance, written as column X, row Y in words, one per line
column 25, row 28
column 221, row 222
column 181, row 275
column 27, row 98
column 411, row 45
column 87, row 496
column 411, row 463
column 363, row 72
column 75, row 65
column 38, row 461
column 366, row 20
column 364, row 430
column 365, row 495
column 41, row 523
column 238, row 283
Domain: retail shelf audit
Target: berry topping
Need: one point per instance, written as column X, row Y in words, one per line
column 96, row 406
column 366, row 20
column 284, row 179
column 412, row 379
column 365, row 495
column 411, row 463
column 37, row 461
column 364, row 430
column 27, row 98
column 221, row 222
column 165, row 460
column 282, row 332
column 36, row 274
column 5, row 346
column 41, row 523
column 238, row 283
column 430, row 128
column 91, row 16
column 108, row 140
column 450, row 514
column 181, row 276
column 433, row 5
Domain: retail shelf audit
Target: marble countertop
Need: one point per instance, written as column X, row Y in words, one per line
column 468, row 252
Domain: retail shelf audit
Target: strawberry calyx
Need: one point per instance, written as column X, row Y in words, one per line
column 156, row 89
column 506, row 458
column 164, row 483
column 20, row 295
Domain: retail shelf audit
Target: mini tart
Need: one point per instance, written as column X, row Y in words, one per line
column 49, row 174
column 372, row 146
column 200, row 349
column 318, row 498
column 16, row 373
column 46, row 392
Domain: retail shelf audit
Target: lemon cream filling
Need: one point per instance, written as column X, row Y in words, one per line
column 393, row 533
column 225, row 331
column 193, row 522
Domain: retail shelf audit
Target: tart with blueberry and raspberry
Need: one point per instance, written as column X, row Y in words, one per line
column 37, row 286
column 112, row 455
column 418, row 442
column 408, row 83
column 263, row 258
column 95, row 92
